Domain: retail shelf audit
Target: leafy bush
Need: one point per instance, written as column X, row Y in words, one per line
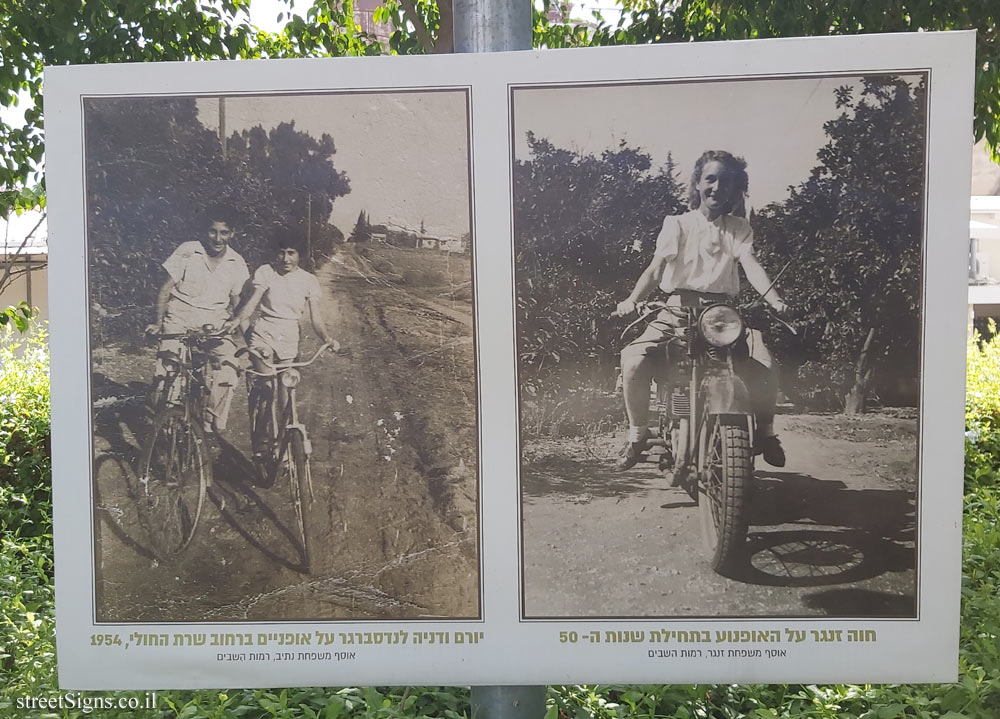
column 27, row 658
column 25, row 469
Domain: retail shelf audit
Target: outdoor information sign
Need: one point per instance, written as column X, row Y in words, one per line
column 336, row 350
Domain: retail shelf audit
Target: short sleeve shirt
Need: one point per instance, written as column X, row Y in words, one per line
column 199, row 285
column 704, row 253
column 285, row 296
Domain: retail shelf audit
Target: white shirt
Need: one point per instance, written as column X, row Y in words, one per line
column 199, row 285
column 704, row 253
column 285, row 295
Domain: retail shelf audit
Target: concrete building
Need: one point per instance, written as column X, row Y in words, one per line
column 27, row 280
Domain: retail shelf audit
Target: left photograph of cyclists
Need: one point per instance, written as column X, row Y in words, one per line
column 283, row 376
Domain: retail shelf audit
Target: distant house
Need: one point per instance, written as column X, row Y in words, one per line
column 428, row 243
column 28, row 277
column 378, row 237
column 453, row 244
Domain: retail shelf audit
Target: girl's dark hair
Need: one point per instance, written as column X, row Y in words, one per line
column 291, row 238
column 733, row 164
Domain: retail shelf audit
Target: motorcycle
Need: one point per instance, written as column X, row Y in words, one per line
column 704, row 421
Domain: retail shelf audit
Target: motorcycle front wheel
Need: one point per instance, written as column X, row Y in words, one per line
column 726, row 465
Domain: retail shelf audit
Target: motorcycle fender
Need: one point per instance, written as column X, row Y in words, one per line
column 725, row 393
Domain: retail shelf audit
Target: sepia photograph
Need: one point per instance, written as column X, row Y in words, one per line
column 719, row 331
column 283, row 374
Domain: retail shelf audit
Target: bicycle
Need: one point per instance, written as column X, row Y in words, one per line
column 175, row 470
column 279, row 440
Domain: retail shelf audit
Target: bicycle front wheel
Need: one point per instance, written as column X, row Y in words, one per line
column 295, row 464
column 260, row 398
column 171, row 485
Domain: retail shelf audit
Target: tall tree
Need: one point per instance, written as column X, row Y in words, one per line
column 584, row 228
column 362, row 231
column 853, row 233
column 151, row 165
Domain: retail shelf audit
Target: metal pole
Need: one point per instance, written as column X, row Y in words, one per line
column 495, row 26
column 492, row 25
column 514, row 702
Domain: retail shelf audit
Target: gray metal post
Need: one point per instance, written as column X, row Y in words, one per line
column 514, row 702
column 495, row 26
column 492, row 25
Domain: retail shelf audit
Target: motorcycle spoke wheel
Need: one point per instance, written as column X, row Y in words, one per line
column 169, row 490
column 726, row 477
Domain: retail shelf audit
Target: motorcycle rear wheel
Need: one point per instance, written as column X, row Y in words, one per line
column 726, row 464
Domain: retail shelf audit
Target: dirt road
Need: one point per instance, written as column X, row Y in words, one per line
column 394, row 526
column 832, row 533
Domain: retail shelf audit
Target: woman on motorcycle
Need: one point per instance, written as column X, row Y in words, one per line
column 695, row 262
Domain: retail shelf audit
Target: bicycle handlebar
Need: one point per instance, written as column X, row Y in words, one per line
column 200, row 334
column 274, row 369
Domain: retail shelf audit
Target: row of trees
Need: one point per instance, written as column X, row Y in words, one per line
column 151, row 166
column 585, row 228
column 60, row 32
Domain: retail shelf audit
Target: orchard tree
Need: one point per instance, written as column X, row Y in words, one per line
column 151, row 165
column 584, row 229
column 852, row 232
column 284, row 180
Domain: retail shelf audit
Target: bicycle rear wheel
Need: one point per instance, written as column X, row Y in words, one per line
column 295, row 464
column 170, row 488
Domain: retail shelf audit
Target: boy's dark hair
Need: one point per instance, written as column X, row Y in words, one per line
column 218, row 212
column 741, row 181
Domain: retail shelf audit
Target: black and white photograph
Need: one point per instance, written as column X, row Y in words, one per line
column 634, row 364
column 719, row 288
column 283, row 375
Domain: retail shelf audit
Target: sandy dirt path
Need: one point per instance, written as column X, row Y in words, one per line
column 394, row 528
column 832, row 533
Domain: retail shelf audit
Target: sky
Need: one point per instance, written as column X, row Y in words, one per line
column 405, row 153
column 776, row 125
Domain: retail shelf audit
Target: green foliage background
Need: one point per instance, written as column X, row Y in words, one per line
column 585, row 227
column 27, row 633
column 152, row 167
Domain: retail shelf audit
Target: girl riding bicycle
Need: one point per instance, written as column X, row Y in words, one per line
column 283, row 290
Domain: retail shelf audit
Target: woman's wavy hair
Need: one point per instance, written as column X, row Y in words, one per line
column 736, row 165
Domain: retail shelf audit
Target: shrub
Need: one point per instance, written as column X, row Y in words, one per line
column 25, row 495
column 27, row 659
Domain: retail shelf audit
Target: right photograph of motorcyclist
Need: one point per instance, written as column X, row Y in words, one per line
column 696, row 262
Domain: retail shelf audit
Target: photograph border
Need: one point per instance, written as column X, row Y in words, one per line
column 923, row 71
column 95, row 513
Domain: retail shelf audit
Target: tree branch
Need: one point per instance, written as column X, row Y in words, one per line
column 446, row 27
column 24, row 243
column 410, row 10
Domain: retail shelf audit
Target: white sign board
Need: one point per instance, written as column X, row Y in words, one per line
column 442, row 498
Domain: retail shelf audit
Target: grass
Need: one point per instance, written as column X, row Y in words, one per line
column 28, row 663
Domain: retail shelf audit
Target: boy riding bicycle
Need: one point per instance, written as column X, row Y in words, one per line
column 204, row 282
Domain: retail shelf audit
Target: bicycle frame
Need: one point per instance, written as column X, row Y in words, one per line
column 271, row 378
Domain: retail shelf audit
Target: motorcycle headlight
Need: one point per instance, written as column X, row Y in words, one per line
column 720, row 325
column 290, row 378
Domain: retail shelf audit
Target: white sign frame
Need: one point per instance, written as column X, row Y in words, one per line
column 513, row 649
